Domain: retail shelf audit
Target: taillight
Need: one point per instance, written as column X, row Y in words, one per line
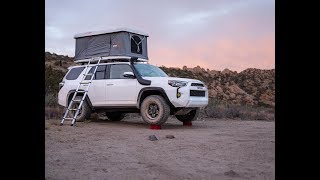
column 61, row 85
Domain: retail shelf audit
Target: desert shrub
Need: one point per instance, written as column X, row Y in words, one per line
column 51, row 100
column 270, row 110
column 232, row 112
column 214, row 112
column 57, row 63
column 216, row 109
column 54, row 112
column 260, row 116
column 52, row 79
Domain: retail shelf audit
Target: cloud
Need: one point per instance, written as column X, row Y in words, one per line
column 215, row 34
column 54, row 32
column 192, row 18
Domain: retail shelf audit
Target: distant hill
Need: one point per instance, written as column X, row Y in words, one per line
column 249, row 87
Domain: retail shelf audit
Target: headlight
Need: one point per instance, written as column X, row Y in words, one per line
column 176, row 83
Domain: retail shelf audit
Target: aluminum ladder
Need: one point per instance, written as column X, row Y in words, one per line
column 73, row 100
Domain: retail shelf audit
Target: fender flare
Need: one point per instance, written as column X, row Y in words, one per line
column 73, row 91
column 158, row 89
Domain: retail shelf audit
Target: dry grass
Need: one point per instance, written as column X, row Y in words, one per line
column 54, row 112
column 238, row 112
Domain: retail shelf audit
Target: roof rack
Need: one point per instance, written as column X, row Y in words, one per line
column 112, row 59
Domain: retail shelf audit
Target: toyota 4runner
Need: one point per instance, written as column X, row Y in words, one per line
column 118, row 88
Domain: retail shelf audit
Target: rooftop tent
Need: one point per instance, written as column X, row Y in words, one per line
column 118, row 42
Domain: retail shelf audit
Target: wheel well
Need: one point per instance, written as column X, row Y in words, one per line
column 79, row 94
column 147, row 93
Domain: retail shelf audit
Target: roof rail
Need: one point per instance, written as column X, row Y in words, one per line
column 112, row 59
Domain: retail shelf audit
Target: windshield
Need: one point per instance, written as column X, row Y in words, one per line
column 147, row 70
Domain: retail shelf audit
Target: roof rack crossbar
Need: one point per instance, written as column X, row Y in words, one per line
column 113, row 59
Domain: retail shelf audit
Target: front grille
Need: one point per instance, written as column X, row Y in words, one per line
column 197, row 93
column 196, row 84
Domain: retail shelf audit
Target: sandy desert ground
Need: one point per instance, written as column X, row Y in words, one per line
column 210, row 149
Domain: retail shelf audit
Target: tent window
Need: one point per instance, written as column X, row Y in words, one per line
column 136, row 44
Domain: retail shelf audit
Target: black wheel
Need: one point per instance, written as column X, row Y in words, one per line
column 191, row 116
column 155, row 110
column 85, row 110
column 115, row 116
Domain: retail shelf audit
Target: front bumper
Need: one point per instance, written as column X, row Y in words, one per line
column 185, row 100
column 197, row 102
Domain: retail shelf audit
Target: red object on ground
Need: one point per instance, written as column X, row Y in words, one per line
column 155, row 126
column 187, row 123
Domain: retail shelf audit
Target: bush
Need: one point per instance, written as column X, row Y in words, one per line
column 232, row 112
column 51, row 100
column 214, row 112
column 218, row 110
column 54, row 112
column 52, row 79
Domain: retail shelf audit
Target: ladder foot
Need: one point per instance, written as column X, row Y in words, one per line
column 71, row 125
column 61, row 124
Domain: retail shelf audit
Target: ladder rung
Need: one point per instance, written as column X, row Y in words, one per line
column 85, row 82
column 68, row 118
column 72, row 109
column 77, row 100
column 81, row 91
column 89, row 74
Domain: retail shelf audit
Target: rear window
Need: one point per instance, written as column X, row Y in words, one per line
column 100, row 73
column 74, row 73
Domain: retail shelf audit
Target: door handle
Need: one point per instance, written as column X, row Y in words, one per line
column 109, row 84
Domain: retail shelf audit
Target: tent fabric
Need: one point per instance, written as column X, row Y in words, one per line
column 111, row 44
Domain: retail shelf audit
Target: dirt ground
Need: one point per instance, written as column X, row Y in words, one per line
column 210, row 149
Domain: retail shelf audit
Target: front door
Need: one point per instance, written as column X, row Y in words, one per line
column 121, row 91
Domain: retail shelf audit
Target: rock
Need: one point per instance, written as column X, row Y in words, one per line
column 219, row 89
column 231, row 173
column 232, row 95
column 212, row 93
column 228, row 71
column 153, row 138
column 213, row 72
column 170, row 136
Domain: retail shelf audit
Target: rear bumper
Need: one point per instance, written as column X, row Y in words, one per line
column 62, row 97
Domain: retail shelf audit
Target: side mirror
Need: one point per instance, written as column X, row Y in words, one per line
column 129, row 75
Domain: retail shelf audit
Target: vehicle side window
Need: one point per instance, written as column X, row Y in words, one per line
column 100, row 73
column 74, row 73
column 117, row 70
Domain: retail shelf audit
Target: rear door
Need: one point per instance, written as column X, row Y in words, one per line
column 97, row 91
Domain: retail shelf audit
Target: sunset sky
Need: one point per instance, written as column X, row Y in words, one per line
column 214, row 34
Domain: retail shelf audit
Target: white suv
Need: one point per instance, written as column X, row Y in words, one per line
column 134, row 87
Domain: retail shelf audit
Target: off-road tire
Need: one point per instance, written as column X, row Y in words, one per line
column 162, row 110
column 191, row 116
column 115, row 116
column 85, row 110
